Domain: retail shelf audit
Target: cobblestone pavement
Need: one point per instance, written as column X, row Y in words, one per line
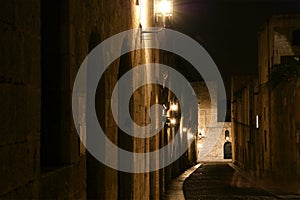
column 218, row 180
column 175, row 191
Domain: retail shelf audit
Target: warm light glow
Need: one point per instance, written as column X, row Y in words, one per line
column 143, row 12
column 184, row 129
column 174, row 107
column 164, row 6
column 173, row 121
column 227, row 138
column 257, row 121
column 191, row 136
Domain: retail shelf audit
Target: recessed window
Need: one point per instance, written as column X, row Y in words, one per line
column 296, row 37
column 226, row 134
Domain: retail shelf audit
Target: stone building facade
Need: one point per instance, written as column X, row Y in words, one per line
column 265, row 109
column 43, row 45
column 244, row 109
column 211, row 132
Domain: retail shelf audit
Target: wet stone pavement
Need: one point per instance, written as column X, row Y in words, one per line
column 219, row 181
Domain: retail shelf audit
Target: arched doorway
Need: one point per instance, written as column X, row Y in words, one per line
column 227, row 150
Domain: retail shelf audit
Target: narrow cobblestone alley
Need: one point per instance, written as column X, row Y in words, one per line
column 217, row 180
column 149, row 99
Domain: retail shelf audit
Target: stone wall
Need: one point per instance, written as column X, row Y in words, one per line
column 269, row 149
column 24, row 174
column 275, row 42
column 285, row 130
column 211, row 142
column 44, row 44
column 244, row 109
column 20, row 98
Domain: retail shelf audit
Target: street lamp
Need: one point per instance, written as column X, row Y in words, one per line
column 163, row 12
column 174, row 107
column 164, row 7
column 173, row 121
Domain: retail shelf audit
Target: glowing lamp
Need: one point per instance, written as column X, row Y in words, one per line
column 164, row 7
column 163, row 12
column 257, row 121
column 174, row 107
column 173, row 121
column 191, row 136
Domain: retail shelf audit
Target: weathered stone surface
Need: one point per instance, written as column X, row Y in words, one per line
column 43, row 46
column 208, row 124
column 269, row 149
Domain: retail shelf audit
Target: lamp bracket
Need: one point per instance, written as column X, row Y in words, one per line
column 150, row 31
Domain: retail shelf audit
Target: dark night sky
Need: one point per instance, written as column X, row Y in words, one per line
column 228, row 29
